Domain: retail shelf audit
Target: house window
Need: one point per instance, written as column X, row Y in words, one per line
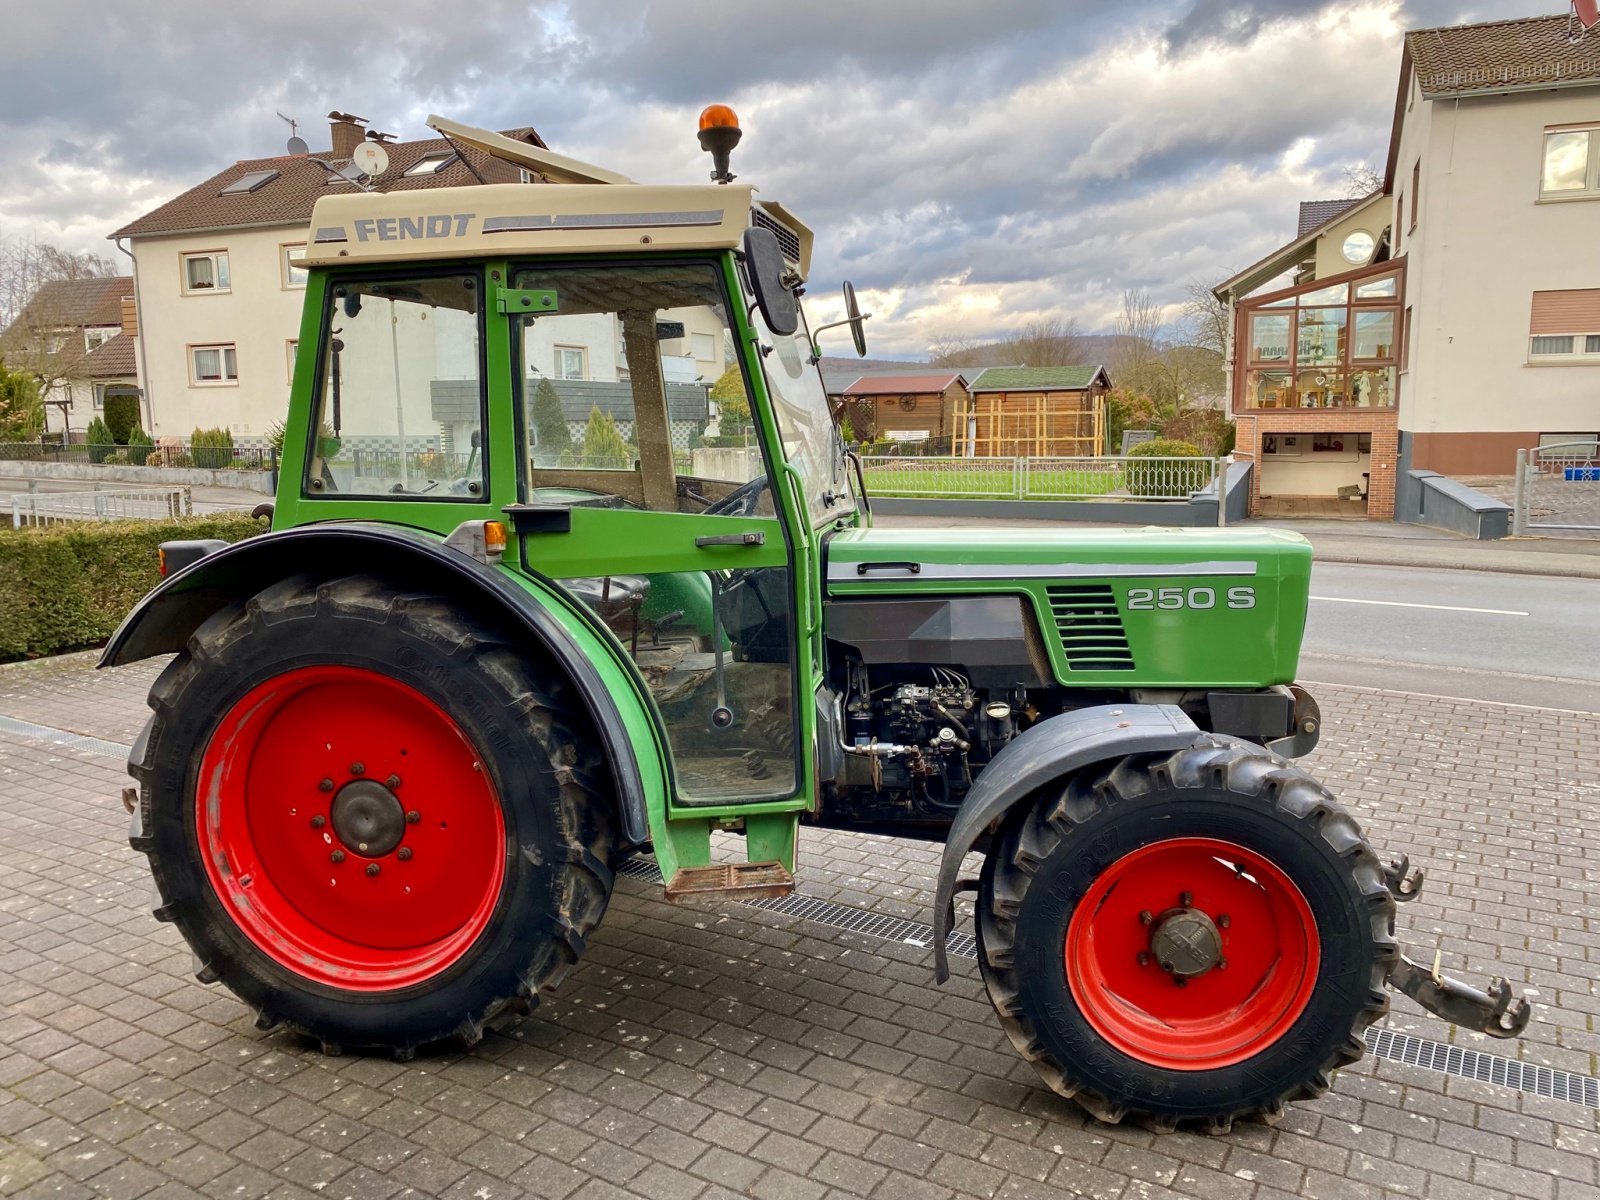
column 1344, row 346
column 292, row 352
column 572, row 362
column 432, row 164
column 1571, row 164
column 97, row 337
column 294, row 275
column 213, row 364
column 1416, row 189
column 703, row 346
column 1405, row 348
column 1565, row 326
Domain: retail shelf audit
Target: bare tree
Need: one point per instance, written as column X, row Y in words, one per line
column 953, row 350
column 37, row 338
column 1204, row 317
column 1138, row 333
column 1360, row 181
column 1046, row 342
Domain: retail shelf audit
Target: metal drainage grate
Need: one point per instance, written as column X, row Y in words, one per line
column 1387, row 1044
column 61, row 737
column 1486, row 1068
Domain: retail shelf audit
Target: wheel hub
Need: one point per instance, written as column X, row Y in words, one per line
column 368, row 818
column 1186, row 942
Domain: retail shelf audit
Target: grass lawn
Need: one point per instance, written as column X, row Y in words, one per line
column 913, row 479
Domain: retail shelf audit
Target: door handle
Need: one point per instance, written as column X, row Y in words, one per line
column 755, row 538
column 914, row 567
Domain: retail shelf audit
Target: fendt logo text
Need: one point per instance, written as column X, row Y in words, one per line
column 397, row 229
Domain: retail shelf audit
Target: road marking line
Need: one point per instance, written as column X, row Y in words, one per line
column 1499, row 612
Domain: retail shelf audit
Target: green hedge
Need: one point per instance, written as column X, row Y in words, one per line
column 66, row 587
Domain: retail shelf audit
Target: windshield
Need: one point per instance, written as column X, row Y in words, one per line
column 811, row 443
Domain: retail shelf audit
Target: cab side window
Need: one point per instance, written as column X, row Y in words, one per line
column 401, row 408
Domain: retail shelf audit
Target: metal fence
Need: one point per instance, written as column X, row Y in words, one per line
column 111, row 504
column 1558, row 488
column 1110, row 477
column 168, row 454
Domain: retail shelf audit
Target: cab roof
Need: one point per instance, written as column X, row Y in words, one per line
column 514, row 219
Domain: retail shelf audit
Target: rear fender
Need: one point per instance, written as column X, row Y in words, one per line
column 163, row 621
column 1048, row 753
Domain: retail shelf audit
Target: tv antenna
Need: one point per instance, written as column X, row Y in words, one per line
column 297, row 144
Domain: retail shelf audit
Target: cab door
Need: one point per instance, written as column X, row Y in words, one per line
column 646, row 493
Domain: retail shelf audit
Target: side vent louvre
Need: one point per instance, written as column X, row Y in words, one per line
column 1090, row 627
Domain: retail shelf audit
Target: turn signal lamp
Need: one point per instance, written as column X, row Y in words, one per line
column 494, row 539
column 161, row 560
column 719, row 134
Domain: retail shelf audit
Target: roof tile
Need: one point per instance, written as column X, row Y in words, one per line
column 1475, row 58
column 899, row 385
column 288, row 199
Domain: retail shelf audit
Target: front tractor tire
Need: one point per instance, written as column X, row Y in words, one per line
column 371, row 815
column 1186, row 939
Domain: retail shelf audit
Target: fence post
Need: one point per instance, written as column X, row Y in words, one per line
column 1222, row 493
column 1019, row 478
column 1519, row 511
column 16, row 512
column 187, row 502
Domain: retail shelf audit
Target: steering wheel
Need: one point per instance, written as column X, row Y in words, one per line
column 741, row 502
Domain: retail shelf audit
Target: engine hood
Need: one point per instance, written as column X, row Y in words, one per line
column 875, row 557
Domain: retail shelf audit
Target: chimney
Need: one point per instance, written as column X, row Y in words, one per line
column 347, row 133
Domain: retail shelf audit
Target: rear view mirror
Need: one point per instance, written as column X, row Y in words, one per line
column 852, row 314
column 763, row 260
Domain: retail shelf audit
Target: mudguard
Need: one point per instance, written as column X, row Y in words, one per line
column 1050, row 751
column 162, row 622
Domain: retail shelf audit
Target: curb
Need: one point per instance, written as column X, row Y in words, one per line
column 1499, row 568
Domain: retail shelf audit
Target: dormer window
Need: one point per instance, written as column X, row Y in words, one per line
column 432, row 164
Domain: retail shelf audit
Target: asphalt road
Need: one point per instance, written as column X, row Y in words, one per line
column 1518, row 639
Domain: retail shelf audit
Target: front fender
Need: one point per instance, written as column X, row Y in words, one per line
column 163, row 621
column 1049, row 752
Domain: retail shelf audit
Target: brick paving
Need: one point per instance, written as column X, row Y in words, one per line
column 722, row 1051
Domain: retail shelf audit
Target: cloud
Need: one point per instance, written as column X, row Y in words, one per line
column 971, row 167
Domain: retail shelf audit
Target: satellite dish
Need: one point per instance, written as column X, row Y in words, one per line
column 297, row 145
column 371, row 158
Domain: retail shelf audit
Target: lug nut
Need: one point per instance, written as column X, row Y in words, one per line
column 325, row 786
column 1185, row 899
column 392, row 782
column 1222, row 964
column 404, row 854
column 1145, row 918
column 372, row 868
column 1143, row 958
column 1167, row 967
column 413, row 817
column 337, row 856
column 358, row 769
column 1180, row 981
column 1224, row 920
column 318, row 821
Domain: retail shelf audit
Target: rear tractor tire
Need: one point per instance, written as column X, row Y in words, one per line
column 1186, row 939
column 372, row 815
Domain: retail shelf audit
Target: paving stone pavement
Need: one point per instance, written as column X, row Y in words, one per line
column 723, row 1051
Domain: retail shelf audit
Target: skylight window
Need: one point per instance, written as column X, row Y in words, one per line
column 432, row 164
column 253, row 182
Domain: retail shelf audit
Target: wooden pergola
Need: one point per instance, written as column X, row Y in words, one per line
column 1044, row 413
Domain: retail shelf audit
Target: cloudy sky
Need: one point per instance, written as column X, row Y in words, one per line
column 971, row 166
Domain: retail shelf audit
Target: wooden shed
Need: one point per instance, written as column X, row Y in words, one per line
column 1034, row 412
column 906, row 408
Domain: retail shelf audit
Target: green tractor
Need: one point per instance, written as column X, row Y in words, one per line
column 532, row 603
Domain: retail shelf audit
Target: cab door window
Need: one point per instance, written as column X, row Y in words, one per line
column 401, row 390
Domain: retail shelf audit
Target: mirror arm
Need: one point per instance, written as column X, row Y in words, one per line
column 816, row 336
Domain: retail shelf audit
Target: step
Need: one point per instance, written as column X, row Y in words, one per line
column 743, row 881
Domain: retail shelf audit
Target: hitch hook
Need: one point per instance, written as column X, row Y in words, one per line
column 1403, row 881
column 1494, row 1012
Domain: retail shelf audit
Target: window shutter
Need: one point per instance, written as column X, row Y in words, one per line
column 1576, row 310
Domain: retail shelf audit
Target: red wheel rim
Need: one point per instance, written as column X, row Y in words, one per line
column 280, row 779
column 1257, row 932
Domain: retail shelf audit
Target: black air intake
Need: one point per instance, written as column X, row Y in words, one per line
column 1090, row 627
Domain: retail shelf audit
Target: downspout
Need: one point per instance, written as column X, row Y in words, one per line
column 142, row 373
